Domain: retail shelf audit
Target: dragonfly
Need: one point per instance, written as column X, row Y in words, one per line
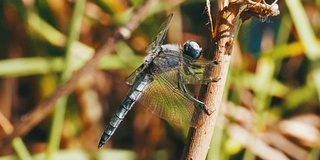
column 160, row 83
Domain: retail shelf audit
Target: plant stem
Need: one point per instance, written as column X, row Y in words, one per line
column 229, row 18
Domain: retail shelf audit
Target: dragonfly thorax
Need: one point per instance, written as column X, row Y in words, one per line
column 192, row 49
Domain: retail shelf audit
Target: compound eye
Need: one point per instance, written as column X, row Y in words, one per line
column 192, row 49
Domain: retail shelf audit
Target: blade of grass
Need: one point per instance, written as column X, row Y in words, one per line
column 21, row 149
column 316, row 77
column 300, row 20
column 306, row 34
column 45, row 30
column 284, row 30
column 19, row 67
column 30, row 66
column 59, row 112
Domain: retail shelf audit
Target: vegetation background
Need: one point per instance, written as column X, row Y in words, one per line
column 272, row 95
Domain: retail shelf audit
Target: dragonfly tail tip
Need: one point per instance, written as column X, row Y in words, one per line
column 100, row 144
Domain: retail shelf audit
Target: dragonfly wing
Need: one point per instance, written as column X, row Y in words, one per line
column 132, row 77
column 193, row 71
column 197, row 71
column 158, row 40
column 165, row 100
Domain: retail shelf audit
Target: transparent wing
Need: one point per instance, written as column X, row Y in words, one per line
column 197, row 71
column 193, row 71
column 163, row 98
column 158, row 40
column 132, row 77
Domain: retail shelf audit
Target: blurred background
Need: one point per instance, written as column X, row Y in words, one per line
column 271, row 103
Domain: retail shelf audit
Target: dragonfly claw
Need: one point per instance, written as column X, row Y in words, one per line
column 206, row 109
column 215, row 79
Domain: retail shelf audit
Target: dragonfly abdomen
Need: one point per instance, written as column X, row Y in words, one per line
column 134, row 95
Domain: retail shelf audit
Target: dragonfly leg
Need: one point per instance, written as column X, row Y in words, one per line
column 194, row 74
column 182, row 87
column 190, row 72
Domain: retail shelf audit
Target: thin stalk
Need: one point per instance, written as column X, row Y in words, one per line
column 60, row 106
column 200, row 137
column 21, row 149
column 304, row 29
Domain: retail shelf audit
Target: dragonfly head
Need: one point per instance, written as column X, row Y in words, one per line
column 192, row 49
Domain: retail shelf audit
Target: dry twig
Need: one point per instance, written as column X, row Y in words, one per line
column 230, row 16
